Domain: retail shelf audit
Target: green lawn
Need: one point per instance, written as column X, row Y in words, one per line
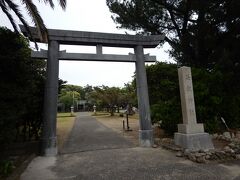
column 65, row 123
column 101, row 114
column 134, row 116
column 68, row 114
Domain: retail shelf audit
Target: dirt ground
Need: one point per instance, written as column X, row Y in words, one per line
column 116, row 124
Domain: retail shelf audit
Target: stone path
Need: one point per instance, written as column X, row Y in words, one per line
column 99, row 153
column 89, row 135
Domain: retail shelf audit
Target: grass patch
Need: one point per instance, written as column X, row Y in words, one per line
column 64, row 126
column 116, row 123
column 117, row 115
column 107, row 115
column 134, row 116
column 68, row 114
column 101, row 114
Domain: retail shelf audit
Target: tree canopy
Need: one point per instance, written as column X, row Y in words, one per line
column 201, row 33
column 21, row 89
column 31, row 8
column 111, row 98
column 69, row 95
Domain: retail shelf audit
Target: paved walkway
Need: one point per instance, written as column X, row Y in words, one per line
column 89, row 135
column 95, row 152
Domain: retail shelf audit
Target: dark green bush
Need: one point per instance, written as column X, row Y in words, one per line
column 6, row 168
column 214, row 97
column 21, row 89
column 167, row 115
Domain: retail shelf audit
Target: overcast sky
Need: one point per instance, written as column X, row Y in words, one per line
column 89, row 15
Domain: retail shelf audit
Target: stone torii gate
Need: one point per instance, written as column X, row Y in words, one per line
column 53, row 55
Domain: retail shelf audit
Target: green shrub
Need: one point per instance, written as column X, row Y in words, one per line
column 21, row 89
column 6, row 168
column 167, row 115
column 215, row 96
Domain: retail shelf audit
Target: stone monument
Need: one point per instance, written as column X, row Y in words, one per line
column 190, row 134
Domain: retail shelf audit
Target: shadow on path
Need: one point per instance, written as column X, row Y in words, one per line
column 88, row 135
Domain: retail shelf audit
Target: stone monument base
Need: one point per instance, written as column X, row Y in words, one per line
column 146, row 138
column 194, row 142
column 190, row 128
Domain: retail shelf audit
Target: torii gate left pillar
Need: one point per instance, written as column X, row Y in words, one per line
column 49, row 138
column 56, row 37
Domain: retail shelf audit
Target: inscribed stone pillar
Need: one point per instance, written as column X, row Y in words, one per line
column 187, row 102
column 145, row 132
column 190, row 134
column 49, row 138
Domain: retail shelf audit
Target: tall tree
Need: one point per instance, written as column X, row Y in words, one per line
column 69, row 98
column 129, row 94
column 199, row 32
column 105, row 96
column 21, row 89
column 8, row 5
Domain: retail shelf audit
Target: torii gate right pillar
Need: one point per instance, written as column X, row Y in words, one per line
column 145, row 132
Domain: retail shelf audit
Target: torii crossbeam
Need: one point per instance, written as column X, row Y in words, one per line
column 63, row 55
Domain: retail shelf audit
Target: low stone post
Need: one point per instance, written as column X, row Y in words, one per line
column 49, row 138
column 190, row 134
column 72, row 110
column 94, row 109
column 145, row 132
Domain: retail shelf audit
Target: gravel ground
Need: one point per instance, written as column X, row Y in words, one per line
column 94, row 151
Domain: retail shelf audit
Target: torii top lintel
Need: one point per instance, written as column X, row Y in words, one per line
column 96, row 38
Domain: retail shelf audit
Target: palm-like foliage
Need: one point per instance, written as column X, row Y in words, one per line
column 8, row 5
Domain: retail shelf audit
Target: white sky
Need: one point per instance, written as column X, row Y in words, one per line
column 89, row 15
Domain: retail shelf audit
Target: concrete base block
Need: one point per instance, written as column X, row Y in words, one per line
column 49, row 147
column 146, row 138
column 190, row 128
column 194, row 142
